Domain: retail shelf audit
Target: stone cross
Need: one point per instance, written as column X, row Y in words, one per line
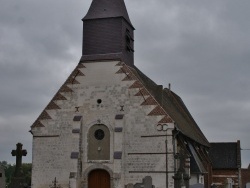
column 181, row 177
column 18, row 153
column 182, row 159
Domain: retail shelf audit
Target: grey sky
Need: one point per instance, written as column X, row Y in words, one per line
column 201, row 47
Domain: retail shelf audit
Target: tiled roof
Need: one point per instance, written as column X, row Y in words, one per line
column 175, row 108
column 225, row 155
column 107, row 9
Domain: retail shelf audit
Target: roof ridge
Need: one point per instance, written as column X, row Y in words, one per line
column 187, row 114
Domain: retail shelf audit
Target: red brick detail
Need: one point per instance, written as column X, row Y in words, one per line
column 119, row 64
column 166, row 119
column 58, row 97
column 120, row 71
column 37, row 123
column 80, row 73
column 80, row 65
column 136, row 84
column 76, row 73
column 65, row 88
column 157, row 111
column 245, row 176
column 44, row 115
column 71, row 80
column 149, row 101
column 130, row 77
column 142, row 92
column 52, row 106
column 126, row 69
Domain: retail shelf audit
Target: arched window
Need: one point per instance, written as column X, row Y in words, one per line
column 99, row 143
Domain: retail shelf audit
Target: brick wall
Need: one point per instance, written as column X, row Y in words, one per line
column 219, row 177
column 245, row 176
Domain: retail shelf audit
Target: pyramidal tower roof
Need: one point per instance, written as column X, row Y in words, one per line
column 107, row 9
column 108, row 33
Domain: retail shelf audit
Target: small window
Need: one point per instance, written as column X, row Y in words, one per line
column 1, row 175
column 99, row 134
column 99, row 101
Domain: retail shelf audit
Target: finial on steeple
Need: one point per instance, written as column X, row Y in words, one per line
column 107, row 9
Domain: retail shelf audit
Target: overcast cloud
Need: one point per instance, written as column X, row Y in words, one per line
column 201, row 47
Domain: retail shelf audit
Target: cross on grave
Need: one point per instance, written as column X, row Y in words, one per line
column 18, row 153
column 55, row 185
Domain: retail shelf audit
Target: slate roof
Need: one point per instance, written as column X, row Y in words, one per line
column 196, row 165
column 175, row 108
column 107, row 9
column 225, row 155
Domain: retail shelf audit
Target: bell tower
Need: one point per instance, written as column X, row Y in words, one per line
column 108, row 33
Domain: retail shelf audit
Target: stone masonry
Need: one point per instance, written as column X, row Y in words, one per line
column 136, row 151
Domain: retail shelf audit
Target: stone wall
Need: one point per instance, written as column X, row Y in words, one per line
column 102, row 94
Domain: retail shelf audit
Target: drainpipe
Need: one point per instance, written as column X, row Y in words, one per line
column 174, row 151
column 165, row 127
column 166, row 160
column 239, row 163
column 174, row 145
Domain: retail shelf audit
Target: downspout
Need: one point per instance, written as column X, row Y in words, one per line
column 166, row 159
column 239, row 163
column 174, row 145
column 166, row 142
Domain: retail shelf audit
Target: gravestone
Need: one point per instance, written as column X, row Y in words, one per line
column 2, row 177
column 18, row 181
column 146, row 183
column 229, row 183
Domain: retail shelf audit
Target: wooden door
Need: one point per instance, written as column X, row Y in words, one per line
column 99, row 179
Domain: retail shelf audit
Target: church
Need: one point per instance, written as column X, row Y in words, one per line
column 111, row 126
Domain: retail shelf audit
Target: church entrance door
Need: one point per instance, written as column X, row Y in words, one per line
column 99, row 179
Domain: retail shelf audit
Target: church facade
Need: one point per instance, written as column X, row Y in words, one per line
column 111, row 126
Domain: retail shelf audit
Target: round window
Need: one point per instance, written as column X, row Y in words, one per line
column 99, row 134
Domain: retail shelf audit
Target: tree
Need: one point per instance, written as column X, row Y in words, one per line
column 26, row 167
column 10, row 169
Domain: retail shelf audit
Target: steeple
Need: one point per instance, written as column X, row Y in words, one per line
column 108, row 32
